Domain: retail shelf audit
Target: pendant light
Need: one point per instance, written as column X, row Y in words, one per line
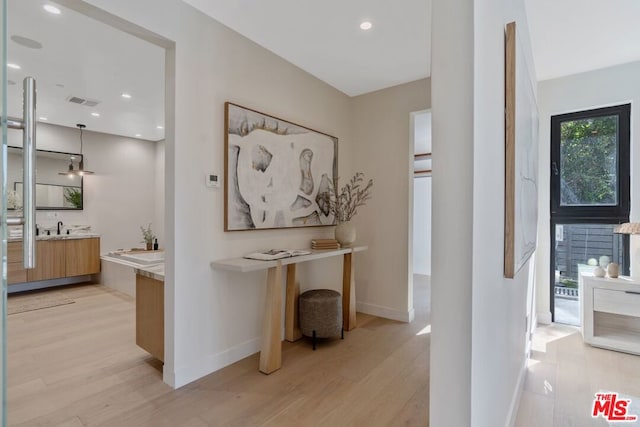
column 80, row 171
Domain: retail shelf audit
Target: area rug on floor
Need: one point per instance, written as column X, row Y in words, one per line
column 24, row 303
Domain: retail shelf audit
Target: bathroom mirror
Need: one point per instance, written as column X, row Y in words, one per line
column 53, row 191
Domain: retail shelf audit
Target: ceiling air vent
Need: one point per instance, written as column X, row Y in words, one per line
column 82, row 101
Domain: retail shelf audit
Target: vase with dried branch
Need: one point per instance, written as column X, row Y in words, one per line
column 344, row 205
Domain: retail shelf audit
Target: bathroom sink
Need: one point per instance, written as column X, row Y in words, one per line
column 79, row 229
column 141, row 257
column 50, row 237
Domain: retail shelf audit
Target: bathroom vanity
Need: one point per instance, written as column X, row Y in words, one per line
column 150, row 310
column 145, row 271
column 60, row 260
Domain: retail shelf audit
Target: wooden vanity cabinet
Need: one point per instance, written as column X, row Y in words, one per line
column 150, row 315
column 15, row 272
column 83, row 256
column 49, row 261
column 55, row 259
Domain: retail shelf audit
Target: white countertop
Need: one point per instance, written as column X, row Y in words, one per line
column 245, row 265
column 56, row 237
column 154, row 271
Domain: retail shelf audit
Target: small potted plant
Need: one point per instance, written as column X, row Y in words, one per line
column 73, row 197
column 147, row 236
column 345, row 203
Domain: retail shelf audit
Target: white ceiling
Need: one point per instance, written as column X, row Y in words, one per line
column 324, row 37
column 573, row 36
column 90, row 60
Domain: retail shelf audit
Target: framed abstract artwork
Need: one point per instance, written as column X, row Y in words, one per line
column 521, row 158
column 278, row 174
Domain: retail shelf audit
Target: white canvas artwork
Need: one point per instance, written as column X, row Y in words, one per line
column 278, row 174
column 521, row 158
column 526, row 173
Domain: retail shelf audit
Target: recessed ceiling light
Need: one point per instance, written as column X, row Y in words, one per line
column 14, row 66
column 95, row 114
column 159, row 127
column 126, row 95
column 366, row 25
column 138, row 135
column 51, row 9
column 44, row 119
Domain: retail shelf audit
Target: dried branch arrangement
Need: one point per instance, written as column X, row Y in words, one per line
column 344, row 204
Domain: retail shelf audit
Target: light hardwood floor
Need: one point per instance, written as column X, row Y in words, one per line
column 564, row 374
column 77, row 365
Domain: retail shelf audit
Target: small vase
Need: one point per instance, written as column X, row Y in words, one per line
column 345, row 233
column 599, row 272
column 149, row 246
column 613, row 270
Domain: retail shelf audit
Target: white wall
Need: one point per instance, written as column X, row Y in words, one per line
column 499, row 305
column 383, row 151
column 452, row 116
column 422, row 226
column 605, row 87
column 158, row 223
column 119, row 198
column 478, row 317
column 214, row 318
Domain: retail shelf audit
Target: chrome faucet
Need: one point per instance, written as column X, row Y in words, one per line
column 60, row 224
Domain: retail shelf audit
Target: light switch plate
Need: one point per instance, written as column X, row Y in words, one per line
column 212, row 180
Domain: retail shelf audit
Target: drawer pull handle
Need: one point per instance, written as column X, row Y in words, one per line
column 632, row 292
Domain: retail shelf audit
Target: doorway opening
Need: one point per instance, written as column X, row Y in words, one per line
column 420, row 238
column 115, row 78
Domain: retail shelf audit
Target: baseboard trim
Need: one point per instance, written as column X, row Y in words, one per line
column 42, row 284
column 517, row 395
column 211, row 363
column 544, row 318
column 208, row 364
column 386, row 312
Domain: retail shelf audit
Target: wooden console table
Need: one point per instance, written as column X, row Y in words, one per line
column 271, row 353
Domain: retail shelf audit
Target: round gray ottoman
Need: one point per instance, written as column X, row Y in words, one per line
column 320, row 312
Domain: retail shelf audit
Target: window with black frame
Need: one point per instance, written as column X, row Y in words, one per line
column 590, row 194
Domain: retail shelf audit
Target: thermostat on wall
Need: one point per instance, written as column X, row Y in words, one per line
column 212, row 180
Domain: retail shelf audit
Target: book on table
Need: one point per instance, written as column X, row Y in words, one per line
column 273, row 254
column 325, row 244
column 324, row 241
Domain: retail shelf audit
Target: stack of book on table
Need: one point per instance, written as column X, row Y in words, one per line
column 325, row 244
